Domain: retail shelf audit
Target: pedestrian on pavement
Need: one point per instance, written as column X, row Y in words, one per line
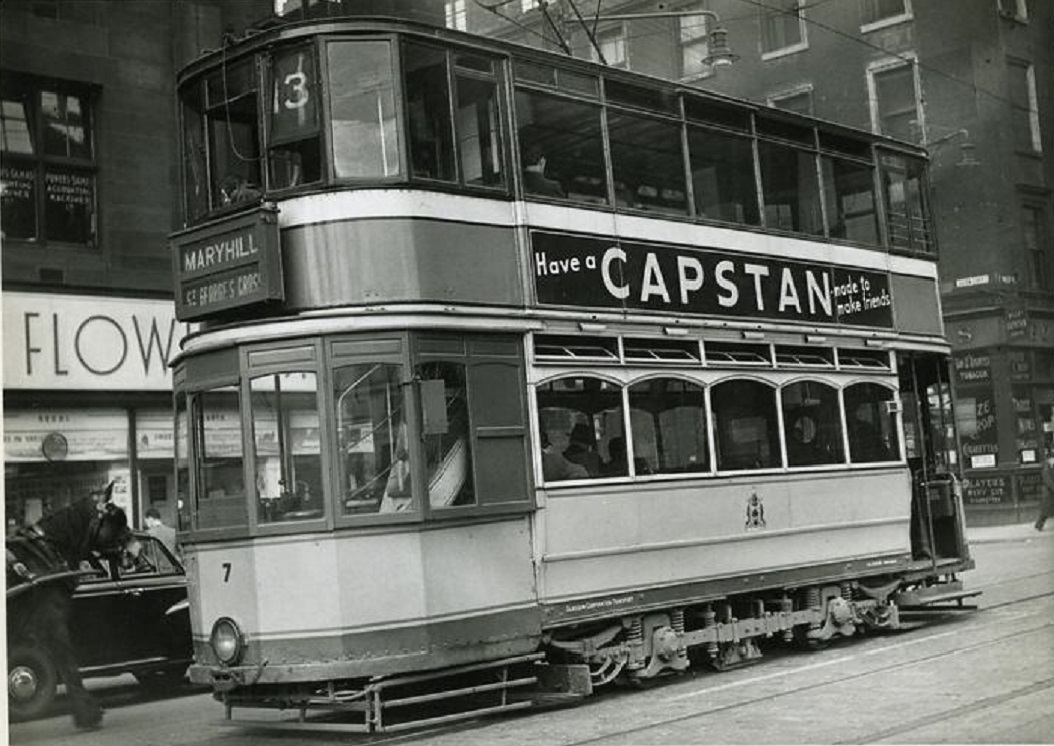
column 1046, row 501
column 160, row 531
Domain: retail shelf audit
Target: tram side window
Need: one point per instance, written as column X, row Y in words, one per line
column 582, row 420
column 447, row 445
column 871, row 423
column 746, row 430
column 790, row 188
column 723, row 176
column 561, row 148
column 294, row 153
column 220, row 500
column 287, row 447
column 428, row 109
column 233, row 134
column 372, row 440
column 812, row 424
column 478, row 130
column 906, row 215
column 362, row 107
column 182, row 461
column 849, row 190
column 648, row 163
column 195, row 165
column 670, row 432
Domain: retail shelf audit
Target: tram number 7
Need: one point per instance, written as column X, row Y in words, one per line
column 226, row 572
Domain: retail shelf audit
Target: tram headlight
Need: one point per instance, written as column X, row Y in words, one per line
column 226, row 641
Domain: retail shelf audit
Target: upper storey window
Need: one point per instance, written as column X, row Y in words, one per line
column 364, row 126
column 782, row 28
column 895, row 106
column 48, row 162
column 879, row 13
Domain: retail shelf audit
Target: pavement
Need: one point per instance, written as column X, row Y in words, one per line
column 1010, row 532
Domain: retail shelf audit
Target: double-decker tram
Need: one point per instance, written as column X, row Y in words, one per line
column 517, row 373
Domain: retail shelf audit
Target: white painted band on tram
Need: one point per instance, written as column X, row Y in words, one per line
column 359, row 204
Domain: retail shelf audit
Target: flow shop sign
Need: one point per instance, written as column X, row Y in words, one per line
column 584, row 271
column 227, row 265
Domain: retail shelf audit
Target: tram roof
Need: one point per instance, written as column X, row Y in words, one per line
column 274, row 31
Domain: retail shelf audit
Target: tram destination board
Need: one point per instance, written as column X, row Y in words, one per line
column 228, row 265
column 586, row 271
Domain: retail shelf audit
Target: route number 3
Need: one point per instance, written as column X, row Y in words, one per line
column 294, row 88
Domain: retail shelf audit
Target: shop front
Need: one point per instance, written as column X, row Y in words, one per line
column 87, row 401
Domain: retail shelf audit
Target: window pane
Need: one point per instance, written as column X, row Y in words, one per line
column 745, row 426
column 18, row 200
column 448, row 456
column 668, row 416
column 790, row 188
column 428, row 108
column 877, row 10
column 478, row 131
column 14, row 126
column 195, row 173
column 849, row 189
column 69, row 205
column 65, row 122
column 217, row 424
column 871, row 424
column 723, row 177
column 780, row 26
column 580, row 418
column 371, row 438
column 648, row 163
column 362, row 104
column 181, row 457
column 294, row 120
column 907, row 218
column 234, row 136
column 567, row 135
column 897, row 103
column 812, row 424
column 287, row 447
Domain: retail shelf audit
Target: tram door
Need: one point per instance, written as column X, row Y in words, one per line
column 932, row 452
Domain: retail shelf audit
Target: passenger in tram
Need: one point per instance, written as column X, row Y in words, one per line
column 556, row 468
column 582, row 449
column 534, row 179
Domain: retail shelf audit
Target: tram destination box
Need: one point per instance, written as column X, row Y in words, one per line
column 227, row 264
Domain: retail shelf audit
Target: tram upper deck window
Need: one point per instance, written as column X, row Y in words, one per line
column 293, row 148
column 907, row 213
column 566, row 136
column 287, row 447
column 364, row 130
column 849, row 191
column 790, row 188
column 373, row 447
column 723, row 176
column 647, row 161
column 233, row 134
column 220, row 499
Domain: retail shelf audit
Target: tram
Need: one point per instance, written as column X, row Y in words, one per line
column 514, row 373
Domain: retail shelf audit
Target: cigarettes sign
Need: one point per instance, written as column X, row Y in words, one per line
column 229, row 265
column 585, row 271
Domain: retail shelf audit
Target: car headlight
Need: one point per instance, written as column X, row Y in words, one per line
column 226, row 641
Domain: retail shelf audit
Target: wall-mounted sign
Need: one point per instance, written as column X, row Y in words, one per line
column 226, row 265
column 607, row 273
column 987, row 490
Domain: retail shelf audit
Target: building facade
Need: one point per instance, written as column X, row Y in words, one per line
column 90, row 181
column 973, row 81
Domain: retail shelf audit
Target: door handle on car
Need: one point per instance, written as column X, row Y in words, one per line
column 137, row 592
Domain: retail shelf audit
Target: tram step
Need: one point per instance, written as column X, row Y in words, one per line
column 937, row 597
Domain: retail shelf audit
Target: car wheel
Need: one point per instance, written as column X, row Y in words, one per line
column 31, row 682
column 165, row 680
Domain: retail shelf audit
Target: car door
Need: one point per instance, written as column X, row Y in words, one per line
column 99, row 618
column 152, row 586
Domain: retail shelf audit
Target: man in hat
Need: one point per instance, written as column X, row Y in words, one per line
column 582, row 449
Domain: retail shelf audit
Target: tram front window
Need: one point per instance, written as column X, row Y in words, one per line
column 218, row 434
column 447, row 446
column 287, row 447
column 362, row 106
column 372, row 439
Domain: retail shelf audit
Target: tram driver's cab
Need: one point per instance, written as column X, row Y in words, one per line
column 931, row 445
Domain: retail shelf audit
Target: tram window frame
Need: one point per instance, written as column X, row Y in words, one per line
column 860, row 434
column 586, row 429
column 813, row 433
column 647, row 175
column 724, row 180
column 236, row 187
column 303, row 142
column 845, row 221
column 789, row 208
column 238, row 503
column 896, row 172
column 723, row 434
column 661, row 459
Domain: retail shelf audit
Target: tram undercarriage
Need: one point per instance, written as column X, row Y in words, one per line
column 633, row 649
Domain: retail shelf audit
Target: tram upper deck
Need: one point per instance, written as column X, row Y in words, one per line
column 374, row 163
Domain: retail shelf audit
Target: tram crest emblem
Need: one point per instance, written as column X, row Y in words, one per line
column 755, row 512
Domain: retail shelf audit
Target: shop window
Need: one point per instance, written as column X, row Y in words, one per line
column 648, row 163
column 896, row 109
column 782, row 28
column 372, row 439
column 746, row 429
column 871, row 423
column 812, row 424
column 1024, row 107
column 849, row 191
column 579, row 417
column 365, row 133
column 287, row 447
column 879, row 13
column 669, row 426
column 561, row 148
column 294, row 151
column 233, row 134
column 49, row 168
column 220, row 500
column 445, row 436
column 723, row 176
column 790, row 188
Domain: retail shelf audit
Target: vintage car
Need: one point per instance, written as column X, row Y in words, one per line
column 128, row 617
